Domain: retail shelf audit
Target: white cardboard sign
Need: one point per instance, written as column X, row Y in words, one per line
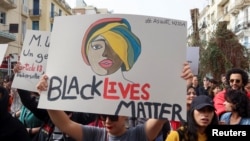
column 117, row 64
column 33, row 59
column 193, row 58
column 3, row 48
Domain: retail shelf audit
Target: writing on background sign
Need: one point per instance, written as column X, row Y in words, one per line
column 137, row 94
column 31, row 51
column 170, row 22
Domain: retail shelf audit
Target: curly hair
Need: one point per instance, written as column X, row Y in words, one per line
column 243, row 74
column 240, row 100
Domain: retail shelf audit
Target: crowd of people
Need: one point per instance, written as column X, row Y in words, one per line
column 224, row 102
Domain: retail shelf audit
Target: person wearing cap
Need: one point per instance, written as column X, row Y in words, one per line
column 236, row 79
column 199, row 118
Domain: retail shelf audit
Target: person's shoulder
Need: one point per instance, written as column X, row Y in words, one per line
column 220, row 94
column 245, row 121
column 248, row 94
column 226, row 115
column 172, row 136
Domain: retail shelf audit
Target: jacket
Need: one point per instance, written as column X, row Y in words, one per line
column 219, row 99
column 11, row 129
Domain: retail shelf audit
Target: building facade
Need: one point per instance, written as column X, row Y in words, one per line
column 235, row 12
column 18, row 16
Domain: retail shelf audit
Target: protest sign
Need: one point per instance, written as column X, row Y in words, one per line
column 117, row 64
column 33, row 59
column 3, row 48
column 193, row 58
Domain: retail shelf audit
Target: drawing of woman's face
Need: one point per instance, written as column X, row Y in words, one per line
column 103, row 60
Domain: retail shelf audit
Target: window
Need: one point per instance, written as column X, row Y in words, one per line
column 23, row 29
column 246, row 40
column 246, row 15
column 52, row 8
column 212, row 2
column 35, row 25
column 51, row 26
column 2, row 18
column 225, row 9
column 36, row 10
column 60, row 12
column 213, row 18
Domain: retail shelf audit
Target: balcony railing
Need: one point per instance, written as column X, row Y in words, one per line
column 8, row 4
column 25, row 10
column 64, row 4
column 35, row 12
column 223, row 2
column 242, row 26
column 53, row 14
column 5, row 35
column 241, row 3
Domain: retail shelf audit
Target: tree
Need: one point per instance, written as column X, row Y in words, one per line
column 195, row 35
column 222, row 53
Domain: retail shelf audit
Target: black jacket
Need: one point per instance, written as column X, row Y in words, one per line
column 31, row 103
column 11, row 129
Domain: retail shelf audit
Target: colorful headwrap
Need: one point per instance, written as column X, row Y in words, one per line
column 117, row 33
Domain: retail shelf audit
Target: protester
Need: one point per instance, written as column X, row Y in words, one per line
column 247, row 86
column 7, row 82
column 223, row 80
column 29, row 120
column 115, row 128
column 191, row 94
column 16, row 103
column 236, row 80
column 11, row 129
column 214, row 90
column 195, row 84
column 237, row 108
column 48, row 131
column 199, row 119
column 132, row 122
column 203, row 90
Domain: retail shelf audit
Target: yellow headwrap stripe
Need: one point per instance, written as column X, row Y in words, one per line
column 102, row 30
column 115, row 40
column 118, row 44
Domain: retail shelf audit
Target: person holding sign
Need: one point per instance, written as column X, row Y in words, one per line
column 48, row 131
column 115, row 128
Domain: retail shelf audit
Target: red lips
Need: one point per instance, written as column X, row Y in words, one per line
column 106, row 63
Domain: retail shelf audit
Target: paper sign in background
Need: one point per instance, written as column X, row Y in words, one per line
column 193, row 58
column 3, row 48
column 33, row 59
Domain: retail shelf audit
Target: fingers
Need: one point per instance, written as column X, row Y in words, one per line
column 186, row 72
column 42, row 84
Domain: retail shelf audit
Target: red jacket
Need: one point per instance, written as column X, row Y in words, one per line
column 219, row 99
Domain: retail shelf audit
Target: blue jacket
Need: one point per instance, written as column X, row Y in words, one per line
column 226, row 118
